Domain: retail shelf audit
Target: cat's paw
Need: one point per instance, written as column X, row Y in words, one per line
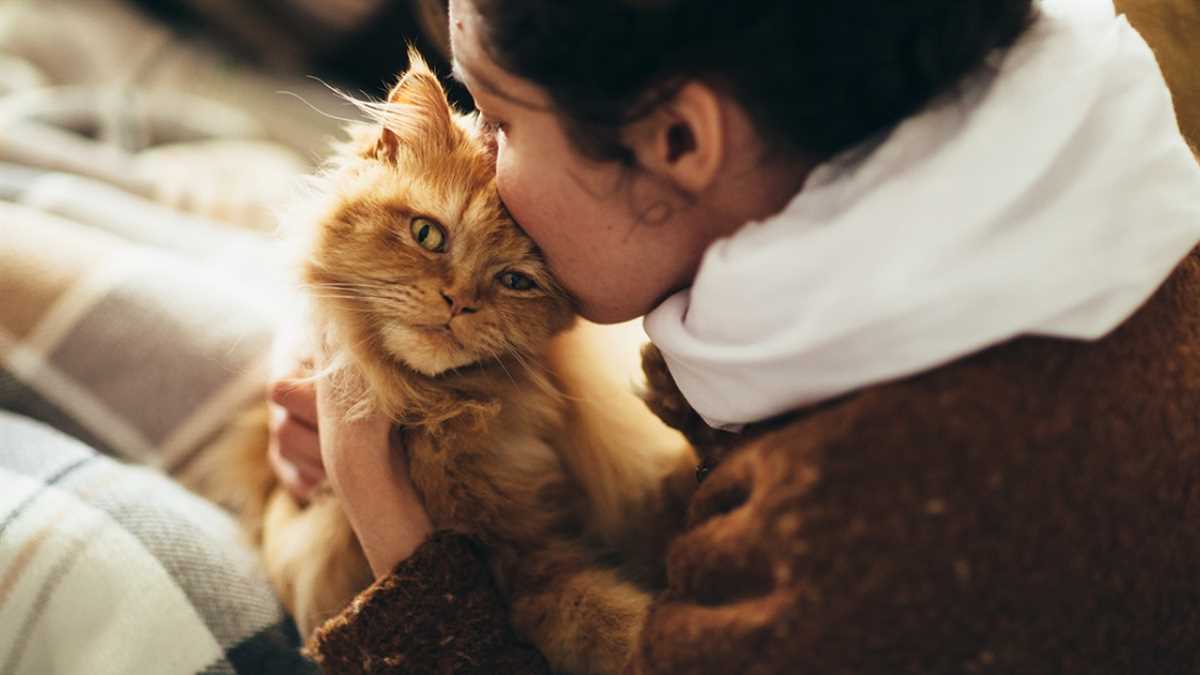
column 661, row 395
column 665, row 400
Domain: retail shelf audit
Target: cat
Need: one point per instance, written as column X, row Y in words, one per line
column 441, row 313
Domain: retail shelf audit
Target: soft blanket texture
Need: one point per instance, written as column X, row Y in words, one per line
column 146, row 355
column 140, row 352
column 137, row 172
column 107, row 568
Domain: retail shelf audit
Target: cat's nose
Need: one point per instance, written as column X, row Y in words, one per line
column 456, row 306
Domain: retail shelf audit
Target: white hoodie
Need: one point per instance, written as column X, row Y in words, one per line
column 1051, row 198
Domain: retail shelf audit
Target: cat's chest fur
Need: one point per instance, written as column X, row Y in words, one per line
column 502, row 477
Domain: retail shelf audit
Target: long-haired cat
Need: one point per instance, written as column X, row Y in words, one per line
column 441, row 313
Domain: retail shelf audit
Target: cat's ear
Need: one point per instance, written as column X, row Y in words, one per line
column 416, row 116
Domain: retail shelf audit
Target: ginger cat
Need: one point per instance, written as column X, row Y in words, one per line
column 441, row 313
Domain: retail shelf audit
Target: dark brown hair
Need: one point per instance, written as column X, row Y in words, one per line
column 816, row 76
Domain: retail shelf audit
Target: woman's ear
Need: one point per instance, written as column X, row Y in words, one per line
column 684, row 140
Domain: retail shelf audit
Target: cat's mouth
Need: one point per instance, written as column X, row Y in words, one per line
column 443, row 333
column 430, row 349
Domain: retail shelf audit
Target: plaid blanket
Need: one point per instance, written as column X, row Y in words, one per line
column 138, row 173
column 142, row 353
column 110, row 568
column 146, row 355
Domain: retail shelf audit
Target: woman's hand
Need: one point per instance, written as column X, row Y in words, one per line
column 308, row 433
column 294, row 450
column 368, row 471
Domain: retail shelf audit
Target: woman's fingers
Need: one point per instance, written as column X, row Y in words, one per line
column 289, row 475
column 299, row 477
column 298, row 397
column 301, row 446
column 299, row 443
column 295, row 446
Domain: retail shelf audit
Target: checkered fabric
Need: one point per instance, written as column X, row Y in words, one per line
column 112, row 568
column 138, row 173
column 143, row 354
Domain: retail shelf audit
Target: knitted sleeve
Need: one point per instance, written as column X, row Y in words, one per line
column 438, row 612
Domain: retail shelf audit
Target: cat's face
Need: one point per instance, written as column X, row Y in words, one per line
column 417, row 248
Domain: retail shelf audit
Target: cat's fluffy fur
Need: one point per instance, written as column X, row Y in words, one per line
column 513, row 434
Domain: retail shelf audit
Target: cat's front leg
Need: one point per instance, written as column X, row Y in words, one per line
column 584, row 619
column 312, row 557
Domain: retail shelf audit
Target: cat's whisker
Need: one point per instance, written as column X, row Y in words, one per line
column 335, row 297
column 363, row 341
column 382, row 282
column 327, row 284
column 354, row 296
column 345, row 287
column 500, row 362
column 537, row 372
column 493, row 349
column 339, row 294
column 522, row 361
column 317, row 110
column 367, row 281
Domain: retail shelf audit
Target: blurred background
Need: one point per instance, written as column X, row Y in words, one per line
column 147, row 148
column 204, row 106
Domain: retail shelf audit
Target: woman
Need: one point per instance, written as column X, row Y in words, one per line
column 928, row 266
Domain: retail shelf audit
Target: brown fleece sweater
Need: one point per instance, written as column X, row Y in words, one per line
column 1034, row 508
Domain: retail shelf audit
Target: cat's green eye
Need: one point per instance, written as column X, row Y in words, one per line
column 515, row 281
column 429, row 235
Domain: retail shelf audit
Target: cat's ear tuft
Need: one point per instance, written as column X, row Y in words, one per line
column 416, row 114
column 419, row 86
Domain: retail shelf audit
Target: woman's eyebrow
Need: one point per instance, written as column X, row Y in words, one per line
column 472, row 81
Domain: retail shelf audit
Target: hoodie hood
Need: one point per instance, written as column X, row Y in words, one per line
column 1051, row 196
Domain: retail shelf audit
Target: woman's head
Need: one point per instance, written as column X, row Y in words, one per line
column 636, row 132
